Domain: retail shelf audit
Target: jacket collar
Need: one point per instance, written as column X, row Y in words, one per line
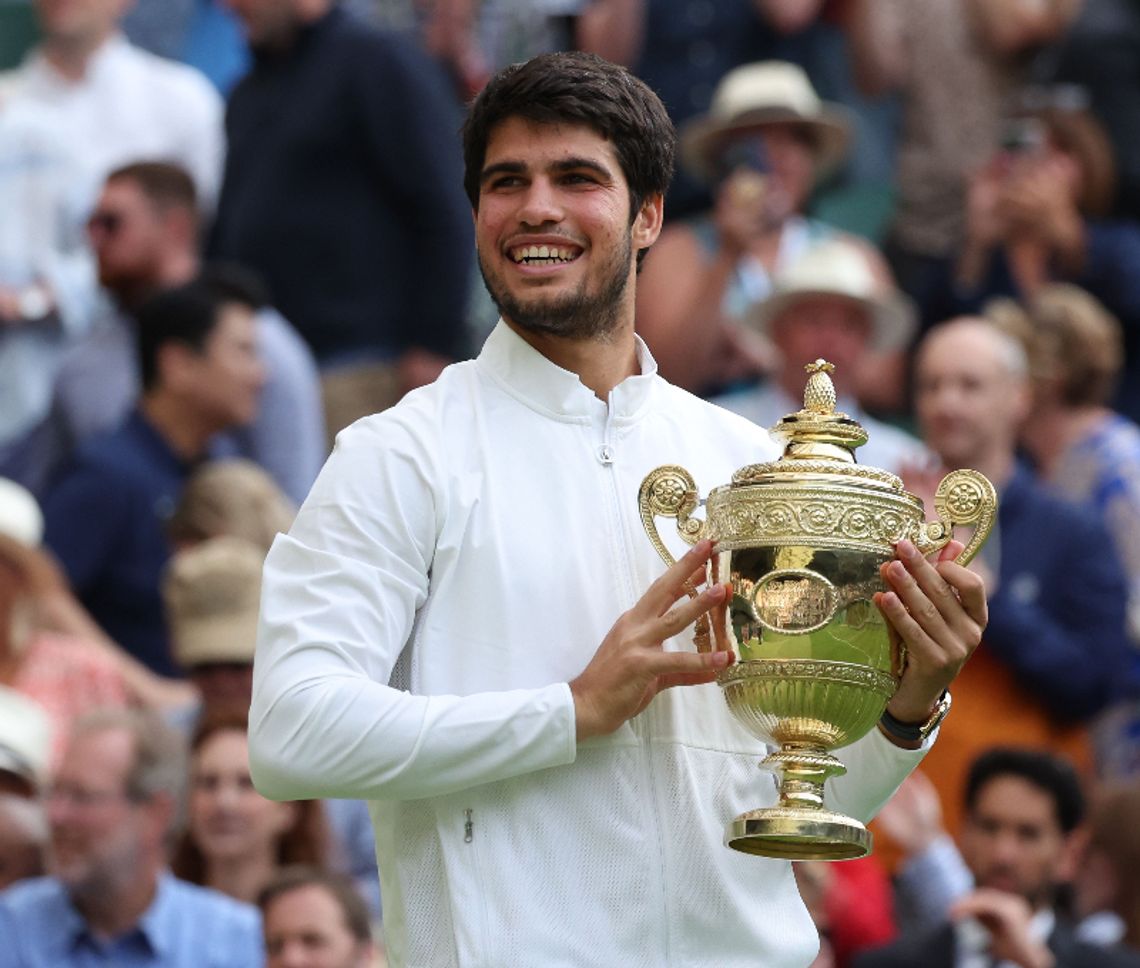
column 535, row 381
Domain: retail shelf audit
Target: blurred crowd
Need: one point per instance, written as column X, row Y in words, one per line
column 229, row 228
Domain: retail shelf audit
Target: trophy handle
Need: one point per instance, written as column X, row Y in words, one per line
column 963, row 497
column 669, row 492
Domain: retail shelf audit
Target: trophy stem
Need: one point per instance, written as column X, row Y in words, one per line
column 799, row 827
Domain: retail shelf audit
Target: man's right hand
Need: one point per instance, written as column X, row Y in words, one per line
column 1007, row 917
column 631, row 666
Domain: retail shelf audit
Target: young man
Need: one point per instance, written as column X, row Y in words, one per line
column 1020, row 842
column 105, row 514
column 431, row 625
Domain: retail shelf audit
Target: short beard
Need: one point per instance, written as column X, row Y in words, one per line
column 578, row 315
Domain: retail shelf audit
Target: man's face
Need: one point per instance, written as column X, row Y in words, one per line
column 223, row 382
column 1012, row 840
column 555, row 243
column 127, row 233
column 78, row 21
column 97, row 831
column 267, row 23
column 305, row 928
column 969, row 404
column 827, row 327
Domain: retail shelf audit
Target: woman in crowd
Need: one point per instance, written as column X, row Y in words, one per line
column 235, row 839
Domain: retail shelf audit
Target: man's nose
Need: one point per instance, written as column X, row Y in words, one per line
column 540, row 204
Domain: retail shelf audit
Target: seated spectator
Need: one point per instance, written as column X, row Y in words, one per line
column 211, row 592
column 827, row 304
column 1035, row 214
column 1020, row 841
column 231, row 497
column 1089, row 453
column 313, row 918
column 108, row 899
column 765, row 142
column 145, row 232
column 1055, row 651
column 1106, row 885
column 50, row 648
column 236, row 840
column 106, row 512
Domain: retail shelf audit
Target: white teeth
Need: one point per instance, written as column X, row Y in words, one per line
column 546, row 254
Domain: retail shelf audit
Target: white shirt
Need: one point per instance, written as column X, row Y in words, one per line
column 130, row 106
column 457, row 563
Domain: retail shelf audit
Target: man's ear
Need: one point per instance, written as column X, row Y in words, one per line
column 174, row 364
column 1073, row 853
column 647, row 224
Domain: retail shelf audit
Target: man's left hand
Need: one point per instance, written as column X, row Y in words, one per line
column 936, row 611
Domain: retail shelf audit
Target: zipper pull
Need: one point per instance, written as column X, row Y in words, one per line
column 468, row 827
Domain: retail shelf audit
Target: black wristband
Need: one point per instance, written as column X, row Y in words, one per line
column 907, row 732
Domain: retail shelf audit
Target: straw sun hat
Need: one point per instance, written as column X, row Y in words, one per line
column 753, row 96
column 839, row 269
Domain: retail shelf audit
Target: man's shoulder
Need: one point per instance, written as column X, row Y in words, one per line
column 933, row 948
column 719, row 420
column 185, row 897
column 169, row 77
column 34, row 898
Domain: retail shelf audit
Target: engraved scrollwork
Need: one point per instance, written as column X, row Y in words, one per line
column 963, row 497
column 669, row 492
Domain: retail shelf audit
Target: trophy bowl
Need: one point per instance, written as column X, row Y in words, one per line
column 800, row 540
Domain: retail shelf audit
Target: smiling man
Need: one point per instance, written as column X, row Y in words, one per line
column 467, row 626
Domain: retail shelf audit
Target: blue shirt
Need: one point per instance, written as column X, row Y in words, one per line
column 105, row 518
column 186, row 926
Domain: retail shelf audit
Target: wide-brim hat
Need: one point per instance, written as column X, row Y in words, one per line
column 212, row 592
column 26, row 733
column 20, row 515
column 837, row 268
column 754, row 96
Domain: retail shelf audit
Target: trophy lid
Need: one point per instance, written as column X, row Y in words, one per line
column 818, row 438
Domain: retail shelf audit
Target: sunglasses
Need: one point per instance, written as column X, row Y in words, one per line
column 107, row 223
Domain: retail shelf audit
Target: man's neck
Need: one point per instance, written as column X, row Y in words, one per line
column 70, row 56
column 601, row 363
column 186, row 435
column 110, row 911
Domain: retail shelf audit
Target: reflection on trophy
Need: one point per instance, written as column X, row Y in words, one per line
column 800, row 540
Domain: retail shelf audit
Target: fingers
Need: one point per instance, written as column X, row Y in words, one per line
column 670, row 586
column 679, row 618
column 970, row 588
column 933, row 601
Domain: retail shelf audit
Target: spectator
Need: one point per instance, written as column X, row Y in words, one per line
column 956, row 63
column 230, row 497
column 47, row 279
column 1055, row 651
column 1106, row 887
column 106, row 513
column 314, row 919
column 211, row 593
column 145, row 233
column 764, row 143
column 109, row 900
column 212, row 590
column 827, row 304
column 1090, row 454
column 114, row 103
column 235, row 840
column 1036, row 215
column 366, row 203
column 1020, row 840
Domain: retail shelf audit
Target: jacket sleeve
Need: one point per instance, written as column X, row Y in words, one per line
column 340, row 598
column 875, row 770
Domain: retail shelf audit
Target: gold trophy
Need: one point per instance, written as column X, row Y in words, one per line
column 800, row 541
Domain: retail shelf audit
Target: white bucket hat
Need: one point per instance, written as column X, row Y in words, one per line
column 25, row 738
column 838, row 268
column 20, row 515
column 753, row 96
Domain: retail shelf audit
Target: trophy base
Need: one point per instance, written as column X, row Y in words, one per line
column 790, row 834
